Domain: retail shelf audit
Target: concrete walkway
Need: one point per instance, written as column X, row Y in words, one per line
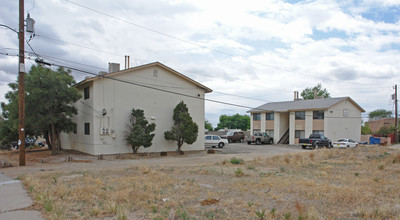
column 13, row 201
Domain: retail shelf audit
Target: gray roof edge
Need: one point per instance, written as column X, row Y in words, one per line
column 288, row 105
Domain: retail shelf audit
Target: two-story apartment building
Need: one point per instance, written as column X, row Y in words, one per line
column 288, row 121
column 108, row 99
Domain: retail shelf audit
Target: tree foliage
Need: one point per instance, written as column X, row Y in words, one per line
column 184, row 130
column 208, row 125
column 48, row 101
column 139, row 131
column 234, row 122
column 379, row 114
column 308, row 93
column 365, row 129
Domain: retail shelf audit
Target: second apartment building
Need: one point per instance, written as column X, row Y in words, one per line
column 288, row 121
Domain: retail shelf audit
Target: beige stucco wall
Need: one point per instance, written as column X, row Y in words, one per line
column 336, row 126
column 292, row 127
column 269, row 125
column 118, row 98
column 308, row 124
column 283, row 125
column 256, row 125
column 318, row 124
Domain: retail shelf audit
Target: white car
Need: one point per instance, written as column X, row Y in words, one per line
column 215, row 140
column 345, row 143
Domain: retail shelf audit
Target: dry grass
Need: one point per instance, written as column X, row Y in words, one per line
column 361, row 183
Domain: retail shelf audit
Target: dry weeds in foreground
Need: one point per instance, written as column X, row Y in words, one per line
column 361, row 183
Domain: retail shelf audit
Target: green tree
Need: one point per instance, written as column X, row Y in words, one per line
column 308, row 93
column 365, row 129
column 380, row 113
column 49, row 98
column 234, row 122
column 184, row 129
column 208, row 125
column 139, row 131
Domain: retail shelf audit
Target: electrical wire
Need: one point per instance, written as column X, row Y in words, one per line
column 206, row 47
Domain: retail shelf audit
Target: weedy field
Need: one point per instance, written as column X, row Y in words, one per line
column 361, row 183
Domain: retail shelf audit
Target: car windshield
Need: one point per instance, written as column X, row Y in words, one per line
column 229, row 133
column 342, row 140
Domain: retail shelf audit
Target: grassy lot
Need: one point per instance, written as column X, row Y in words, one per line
column 361, row 183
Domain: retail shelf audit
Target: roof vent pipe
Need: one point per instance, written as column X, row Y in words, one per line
column 127, row 58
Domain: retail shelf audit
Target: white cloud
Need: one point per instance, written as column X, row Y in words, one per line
column 271, row 47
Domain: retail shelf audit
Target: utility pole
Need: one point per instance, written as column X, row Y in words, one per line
column 396, row 137
column 21, row 86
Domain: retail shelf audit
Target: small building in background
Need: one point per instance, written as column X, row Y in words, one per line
column 288, row 121
column 376, row 125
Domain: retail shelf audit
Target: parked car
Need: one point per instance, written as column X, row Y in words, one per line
column 259, row 138
column 28, row 142
column 234, row 136
column 315, row 141
column 345, row 143
column 215, row 140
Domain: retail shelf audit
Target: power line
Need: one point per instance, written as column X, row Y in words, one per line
column 205, row 47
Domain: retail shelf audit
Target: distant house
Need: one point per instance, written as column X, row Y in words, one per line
column 376, row 125
column 288, row 121
column 107, row 101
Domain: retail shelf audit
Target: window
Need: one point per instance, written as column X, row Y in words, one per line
column 75, row 128
column 300, row 115
column 318, row 115
column 86, row 93
column 256, row 117
column 318, row 132
column 216, row 138
column 345, row 113
column 208, row 137
column 299, row 134
column 269, row 116
column 270, row 132
column 87, row 128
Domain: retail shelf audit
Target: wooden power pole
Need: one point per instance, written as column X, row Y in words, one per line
column 21, row 85
column 396, row 135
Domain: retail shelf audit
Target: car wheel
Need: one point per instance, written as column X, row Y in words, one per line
column 347, row 146
column 304, row 147
column 248, row 142
column 258, row 141
column 241, row 140
column 229, row 140
column 221, row 145
column 271, row 141
column 316, row 145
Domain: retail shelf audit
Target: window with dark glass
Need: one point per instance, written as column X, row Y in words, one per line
column 318, row 114
column 86, row 93
column 87, row 128
column 75, row 128
column 300, row 115
column 269, row 116
column 256, row 117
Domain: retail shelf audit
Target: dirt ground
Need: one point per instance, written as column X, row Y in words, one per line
column 360, row 183
column 40, row 160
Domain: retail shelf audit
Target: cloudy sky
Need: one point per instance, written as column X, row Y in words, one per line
column 248, row 52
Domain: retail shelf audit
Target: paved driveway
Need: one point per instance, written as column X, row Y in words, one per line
column 244, row 148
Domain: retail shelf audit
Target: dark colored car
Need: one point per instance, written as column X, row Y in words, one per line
column 235, row 136
column 315, row 141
